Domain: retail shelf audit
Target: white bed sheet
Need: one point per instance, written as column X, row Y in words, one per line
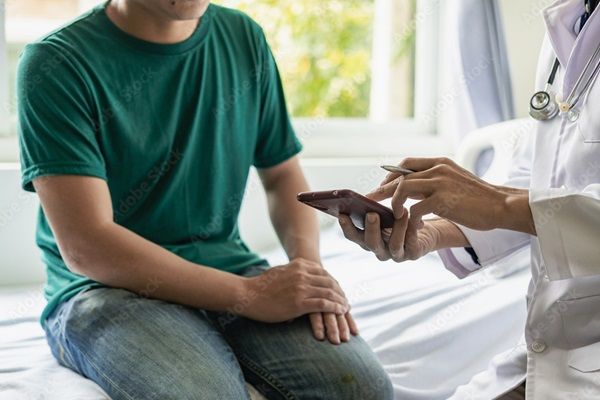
column 431, row 331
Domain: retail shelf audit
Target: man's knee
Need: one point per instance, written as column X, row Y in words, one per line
column 364, row 379
column 352, row 371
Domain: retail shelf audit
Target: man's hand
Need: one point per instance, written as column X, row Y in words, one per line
column 451, row 192
column 337, row 328
column 292, row 290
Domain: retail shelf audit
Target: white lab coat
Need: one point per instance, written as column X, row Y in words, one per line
column 560, row 355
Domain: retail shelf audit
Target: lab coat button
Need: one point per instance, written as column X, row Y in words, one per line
column 538, row 347
column 573, row 115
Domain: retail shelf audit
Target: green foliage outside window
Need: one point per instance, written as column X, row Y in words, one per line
column 323, row 49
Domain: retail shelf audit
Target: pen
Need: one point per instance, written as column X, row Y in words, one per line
column 397, row 170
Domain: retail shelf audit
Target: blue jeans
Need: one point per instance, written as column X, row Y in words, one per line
column 140, row 348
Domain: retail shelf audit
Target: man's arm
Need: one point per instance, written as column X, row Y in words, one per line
column 80, row 213
column 297, row 227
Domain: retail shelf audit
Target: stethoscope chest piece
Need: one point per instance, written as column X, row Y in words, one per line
column 543, row 106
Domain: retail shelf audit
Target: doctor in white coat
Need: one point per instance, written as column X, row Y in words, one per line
column 550, row 203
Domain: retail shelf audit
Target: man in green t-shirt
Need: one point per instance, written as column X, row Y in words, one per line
column 139, row 122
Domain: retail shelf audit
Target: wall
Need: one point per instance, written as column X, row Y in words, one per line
column 524, row 35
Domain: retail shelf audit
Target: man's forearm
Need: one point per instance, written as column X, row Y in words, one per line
column 296, row 225
column 117, row 257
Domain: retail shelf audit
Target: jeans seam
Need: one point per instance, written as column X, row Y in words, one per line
column 268, row 378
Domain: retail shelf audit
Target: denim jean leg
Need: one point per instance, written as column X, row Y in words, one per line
column 285, row 361
column 139, row 348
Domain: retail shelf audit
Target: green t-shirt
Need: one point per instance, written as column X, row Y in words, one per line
column 173, row 129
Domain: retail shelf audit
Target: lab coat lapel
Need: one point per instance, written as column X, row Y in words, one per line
column 560, row 18
column 572, row 50
column 583, row 49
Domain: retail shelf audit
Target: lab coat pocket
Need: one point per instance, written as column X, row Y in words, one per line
column 580, row 321
column 585, row 359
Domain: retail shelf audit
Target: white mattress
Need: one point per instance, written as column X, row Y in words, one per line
column 431, row 331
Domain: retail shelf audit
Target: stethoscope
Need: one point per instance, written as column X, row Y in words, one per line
column 543, row 106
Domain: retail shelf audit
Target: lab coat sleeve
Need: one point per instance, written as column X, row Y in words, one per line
column 568, row 229
column 492, row 246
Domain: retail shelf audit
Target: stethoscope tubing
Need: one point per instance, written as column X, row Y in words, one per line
column 569, row 100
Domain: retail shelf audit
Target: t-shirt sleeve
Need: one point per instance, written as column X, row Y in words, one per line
column 57, row 131
column 277, row 141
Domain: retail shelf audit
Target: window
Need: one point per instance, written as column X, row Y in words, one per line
column 325, row 52
column 355, row 68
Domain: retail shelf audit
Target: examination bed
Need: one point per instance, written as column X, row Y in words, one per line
column 431, row 331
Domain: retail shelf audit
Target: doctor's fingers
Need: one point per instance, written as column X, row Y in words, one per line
column 397, row 238
column 423, row 164
column 431, row 205
column 414, row 189
column 373, row 238
column 417, row 164
column 413, row 249
column 384, row 191
column 351, row 232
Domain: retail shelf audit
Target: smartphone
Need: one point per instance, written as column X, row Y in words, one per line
column 347, row 202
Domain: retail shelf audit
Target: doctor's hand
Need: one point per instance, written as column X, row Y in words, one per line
column 406, row 240
column 399, row 243
column 449, row 191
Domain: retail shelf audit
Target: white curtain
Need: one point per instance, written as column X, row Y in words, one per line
column 475, row 86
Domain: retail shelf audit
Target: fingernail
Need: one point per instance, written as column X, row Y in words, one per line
column 371, row 218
